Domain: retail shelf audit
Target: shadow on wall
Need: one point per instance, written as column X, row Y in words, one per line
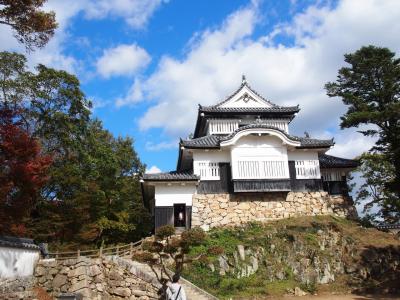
column 378, row 270
column 261, row 196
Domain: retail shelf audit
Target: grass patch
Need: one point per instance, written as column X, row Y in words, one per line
column 311, row 239
column 277, row 288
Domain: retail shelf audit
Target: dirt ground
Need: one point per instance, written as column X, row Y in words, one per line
column 339, row 297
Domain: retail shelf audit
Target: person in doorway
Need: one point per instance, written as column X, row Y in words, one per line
column 175, row 291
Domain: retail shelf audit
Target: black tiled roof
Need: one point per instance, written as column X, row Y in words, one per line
column 273, row 109
column 213, row 141
column 270, row 111
column 15, row 242
column 208, row 141
column 171, row 176
column 315, row 143
column 388, row 226
column 329, row 161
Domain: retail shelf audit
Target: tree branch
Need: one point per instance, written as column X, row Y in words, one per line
column 163, row 268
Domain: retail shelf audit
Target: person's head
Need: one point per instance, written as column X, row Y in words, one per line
column 175, row 278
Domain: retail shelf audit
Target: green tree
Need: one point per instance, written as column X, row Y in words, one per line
column 92, row 194
column 376, row 170
column 113, row 175
column 32, row 26
column 370, row 88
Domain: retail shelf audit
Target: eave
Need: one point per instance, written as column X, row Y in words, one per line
column 278, row 112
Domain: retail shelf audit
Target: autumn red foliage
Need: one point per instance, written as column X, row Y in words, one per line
column 22, row 172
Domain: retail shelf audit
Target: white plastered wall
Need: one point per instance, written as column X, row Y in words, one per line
column 168, row 194
column 17, row 262
column 209, row 158
column 212, row 155
column 302, row 155
column 256, row 147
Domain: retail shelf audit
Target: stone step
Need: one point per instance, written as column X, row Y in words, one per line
column 193, row 294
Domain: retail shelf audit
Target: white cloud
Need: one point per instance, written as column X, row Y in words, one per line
column 135, row 12
column 153, row 170
column 350, row 144
column 122, row 60
column 134, row 95
column 150, row 146
column 7, row 40
column 286, row 75
column 98, row 102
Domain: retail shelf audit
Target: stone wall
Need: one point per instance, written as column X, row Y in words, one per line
column 212, row 210
column 17, row 288
column 93, row 278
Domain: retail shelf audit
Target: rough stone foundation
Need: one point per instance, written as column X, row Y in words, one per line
column 212, row 210
column 17, row 288
column 95, row 279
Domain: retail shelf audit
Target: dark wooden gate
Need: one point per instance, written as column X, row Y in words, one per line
column 163, row 215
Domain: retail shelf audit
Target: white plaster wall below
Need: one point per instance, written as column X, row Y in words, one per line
column 258, row 148
column 16, row 262
column 302, row 155
column 212, row 155
column 168, row 195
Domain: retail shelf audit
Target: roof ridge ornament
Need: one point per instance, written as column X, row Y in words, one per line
column 244, row 81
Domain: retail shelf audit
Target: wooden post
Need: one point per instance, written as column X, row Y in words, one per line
column 79, row 253
column 57, row 254
column 130, row 249
column 101, row 252
column 117, row 250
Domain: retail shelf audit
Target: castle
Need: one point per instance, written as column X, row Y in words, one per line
column 242, row 165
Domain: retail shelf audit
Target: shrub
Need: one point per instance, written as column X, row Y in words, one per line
column 164, row 232
column 193, row 237
column 309, row 287
column 215, row 250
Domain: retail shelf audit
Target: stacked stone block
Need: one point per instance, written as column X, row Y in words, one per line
column 98, row 279
column 214, row 210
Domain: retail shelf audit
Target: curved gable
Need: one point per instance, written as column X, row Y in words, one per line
column 261, row 130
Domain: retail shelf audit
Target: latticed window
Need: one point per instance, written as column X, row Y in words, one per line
column 222, row 126
column 280, row 124
column 307, row 169
column 260, row 169
column 331, row 175
column 207, row 170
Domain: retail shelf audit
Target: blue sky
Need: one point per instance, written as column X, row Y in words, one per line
column 146, row 64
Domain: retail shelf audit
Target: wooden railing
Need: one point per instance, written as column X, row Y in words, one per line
column 123, row 251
